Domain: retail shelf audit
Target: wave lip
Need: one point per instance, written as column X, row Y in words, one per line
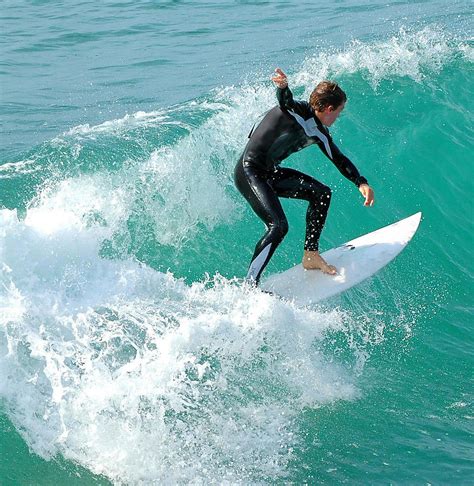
column 410, row 53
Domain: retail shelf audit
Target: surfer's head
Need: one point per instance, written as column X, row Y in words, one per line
column 327, row 101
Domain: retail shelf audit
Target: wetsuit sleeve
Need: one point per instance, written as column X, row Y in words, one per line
column 345, row 166
column 286, row 101
column 285, row 98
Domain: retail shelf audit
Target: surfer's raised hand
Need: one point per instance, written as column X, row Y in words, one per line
column 280, row 79
column 368, row 193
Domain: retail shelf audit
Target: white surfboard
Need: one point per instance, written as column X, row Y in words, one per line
column 356, row 260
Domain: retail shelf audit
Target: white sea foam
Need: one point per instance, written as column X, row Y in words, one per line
column 187, row 184
column 9, row 170
column 120, row 125
column 140, row 377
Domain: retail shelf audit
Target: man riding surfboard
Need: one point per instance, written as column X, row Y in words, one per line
column 285, row 129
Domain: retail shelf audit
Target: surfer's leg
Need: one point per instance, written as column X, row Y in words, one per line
column 294, row 184
column 264, row 201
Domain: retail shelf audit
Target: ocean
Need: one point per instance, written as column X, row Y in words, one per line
column 130, row 353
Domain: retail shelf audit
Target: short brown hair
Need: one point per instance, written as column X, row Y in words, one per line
column 326, row 93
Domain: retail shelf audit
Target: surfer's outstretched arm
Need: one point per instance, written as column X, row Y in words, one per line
column 349, row 171
column 285, row 98
column 345, row 166
column 284, row 94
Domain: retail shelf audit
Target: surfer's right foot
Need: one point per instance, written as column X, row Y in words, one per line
column 312, row 260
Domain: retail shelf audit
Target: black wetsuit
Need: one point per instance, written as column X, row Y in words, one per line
column 286, row 129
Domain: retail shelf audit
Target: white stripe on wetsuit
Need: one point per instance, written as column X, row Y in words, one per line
column 311, row 129
column 258, row 263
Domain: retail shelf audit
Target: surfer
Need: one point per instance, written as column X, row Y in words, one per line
column 285, row 129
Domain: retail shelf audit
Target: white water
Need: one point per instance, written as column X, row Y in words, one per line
column 136, row 375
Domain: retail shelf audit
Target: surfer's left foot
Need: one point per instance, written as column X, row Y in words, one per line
column 312, row 260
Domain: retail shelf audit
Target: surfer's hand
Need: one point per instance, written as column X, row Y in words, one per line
column 280, row 79
column 368, row 193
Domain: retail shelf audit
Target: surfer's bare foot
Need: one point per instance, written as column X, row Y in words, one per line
column 312, row 260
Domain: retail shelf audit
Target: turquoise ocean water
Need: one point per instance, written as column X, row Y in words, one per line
column 129, row 354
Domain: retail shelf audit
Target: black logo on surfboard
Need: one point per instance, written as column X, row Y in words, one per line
column 349, row 247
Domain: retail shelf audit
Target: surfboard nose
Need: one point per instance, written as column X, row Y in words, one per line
column 355, row 260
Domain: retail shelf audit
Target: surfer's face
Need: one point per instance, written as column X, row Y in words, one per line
column 329, row 115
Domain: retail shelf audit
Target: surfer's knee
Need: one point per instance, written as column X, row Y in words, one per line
column 280, row 228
